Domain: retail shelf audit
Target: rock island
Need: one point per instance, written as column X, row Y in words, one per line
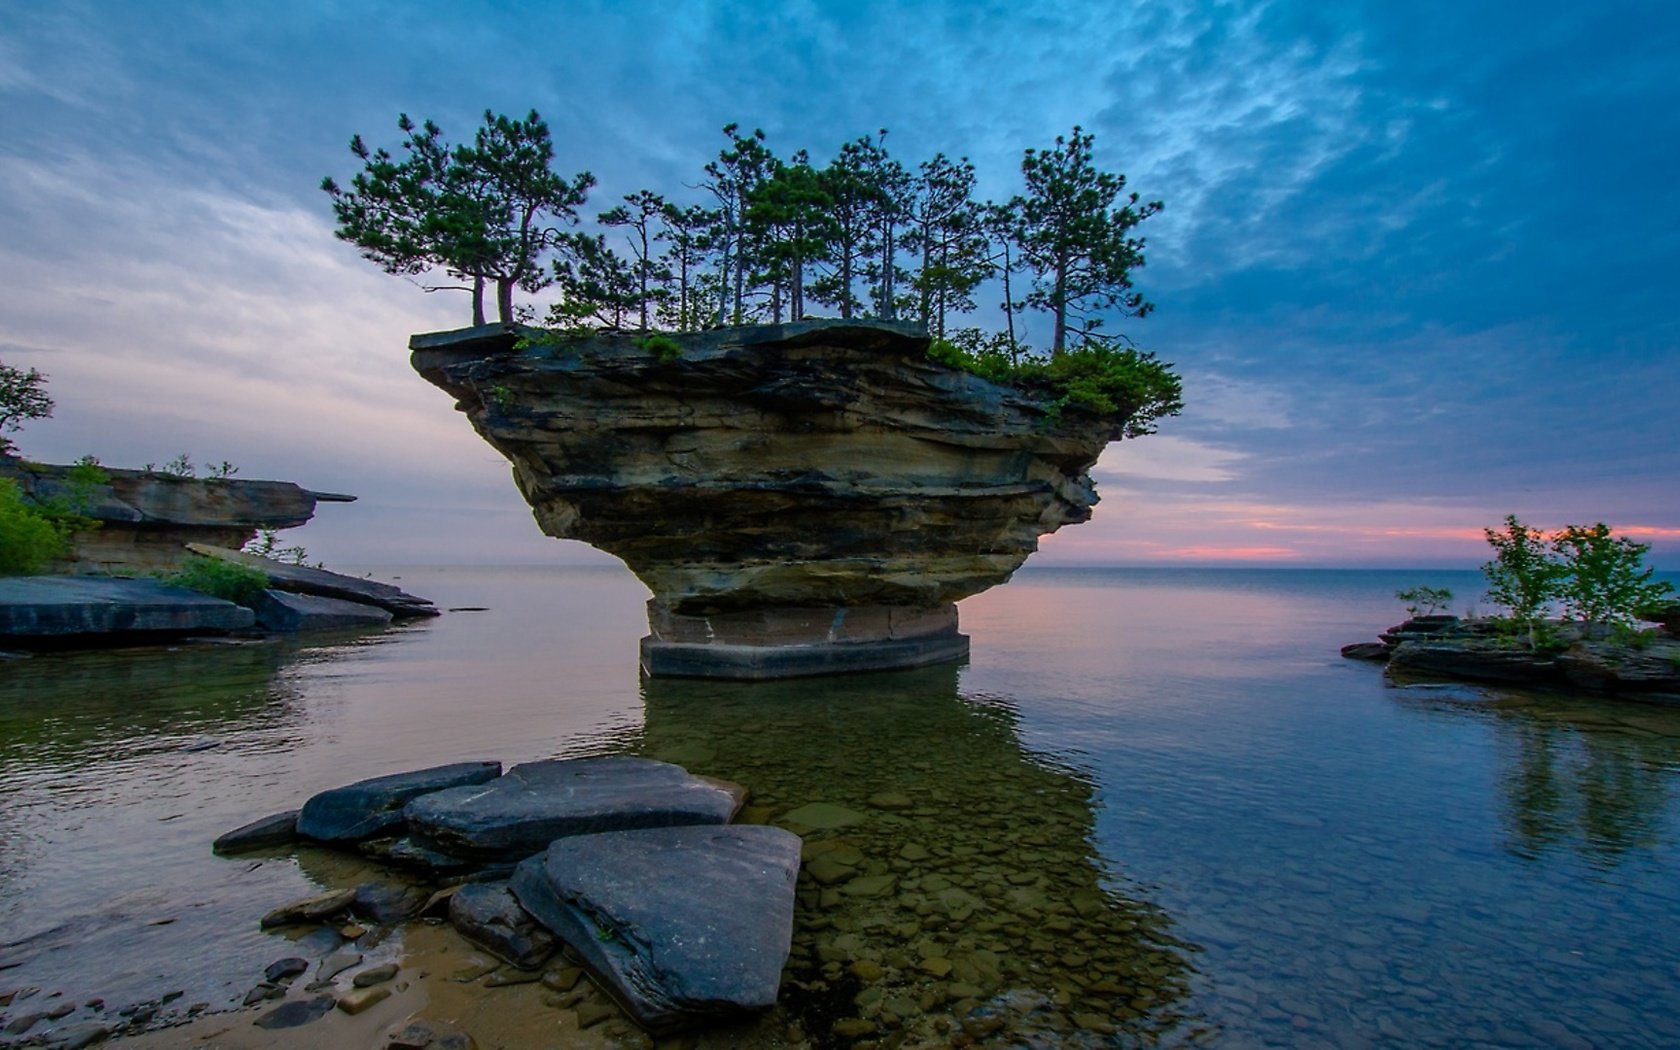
column 802, row 498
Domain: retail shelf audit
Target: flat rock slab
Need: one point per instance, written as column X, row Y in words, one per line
column 370, row 807
column 284, row 611
column 517, row 815
column 302, row 579
column 58, row 606
column 685, row 926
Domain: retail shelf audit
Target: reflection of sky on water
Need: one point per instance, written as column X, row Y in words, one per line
column 1352, row 861
column 1447, row 864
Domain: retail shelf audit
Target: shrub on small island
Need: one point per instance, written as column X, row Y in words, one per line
column 1424, row 601
column 220, row 579
column 1600, row 579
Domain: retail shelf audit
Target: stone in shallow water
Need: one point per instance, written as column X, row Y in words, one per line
column 685, row 925
column 487, row 914
column 823, row 815
column 368, row 807
column 297, row 1012
column 279, row 829
column 519, row 814
column 310, row 909
column 280, row 611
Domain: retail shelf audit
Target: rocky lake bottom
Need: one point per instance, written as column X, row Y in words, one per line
column 1154, row 808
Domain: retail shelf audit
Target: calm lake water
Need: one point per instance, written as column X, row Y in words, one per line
column 1154, row 807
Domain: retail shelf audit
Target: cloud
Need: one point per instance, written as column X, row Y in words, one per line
column 1415, row 264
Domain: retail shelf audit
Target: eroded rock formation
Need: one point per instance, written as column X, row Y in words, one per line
column 146, row 518
column 805, row 484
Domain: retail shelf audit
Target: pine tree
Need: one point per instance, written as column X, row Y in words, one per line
column 1077, row 244
column 686, row 231
column 853, row 201
column 947, row 228
column 638, row 213
column 731, row 179
column 487, row 212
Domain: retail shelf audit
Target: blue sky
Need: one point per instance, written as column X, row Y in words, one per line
column 1419, row 264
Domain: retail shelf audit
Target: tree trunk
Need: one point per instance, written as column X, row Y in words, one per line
column 644, row 267
column 1060, row 301
column 504, row 299
column 889, row 290
column 1009, row 308
column 846, row 281
column 478, row 298
column 796, row 295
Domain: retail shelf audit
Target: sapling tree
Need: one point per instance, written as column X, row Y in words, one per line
column 1424, row 601
column 1606, row 580
column 1523, row 576
column 23, row 396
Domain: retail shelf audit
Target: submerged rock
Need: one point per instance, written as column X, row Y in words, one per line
column 296, row 1013
column 370, row 807
column 278, row 829
column 514, row 816
column 684, row 925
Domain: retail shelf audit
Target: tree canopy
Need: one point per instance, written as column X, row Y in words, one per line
column 23, row 396
column 769, row 237
column 487, row 212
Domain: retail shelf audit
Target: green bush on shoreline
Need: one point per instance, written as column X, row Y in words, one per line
column 220, row 579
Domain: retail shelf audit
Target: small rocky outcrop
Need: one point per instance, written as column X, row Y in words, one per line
column 822, row 489
column 686, row 925
column 146, row 517
column 1573, row 655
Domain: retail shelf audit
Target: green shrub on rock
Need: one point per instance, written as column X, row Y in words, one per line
column 1121, row 383
column 220, row 579
column 29, row 538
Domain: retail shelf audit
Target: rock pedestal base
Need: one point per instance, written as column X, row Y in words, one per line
column 796, row 642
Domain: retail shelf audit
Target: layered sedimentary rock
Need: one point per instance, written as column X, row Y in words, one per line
column 146, row 518
column 819, row 484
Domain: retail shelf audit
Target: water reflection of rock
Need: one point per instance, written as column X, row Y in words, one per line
column 81, row 705
column 1578, row 773
column 950, row 891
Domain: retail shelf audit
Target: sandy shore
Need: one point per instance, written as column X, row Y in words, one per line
column 430, row 987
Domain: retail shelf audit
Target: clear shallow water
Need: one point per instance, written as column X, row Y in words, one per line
column 1155, row 806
